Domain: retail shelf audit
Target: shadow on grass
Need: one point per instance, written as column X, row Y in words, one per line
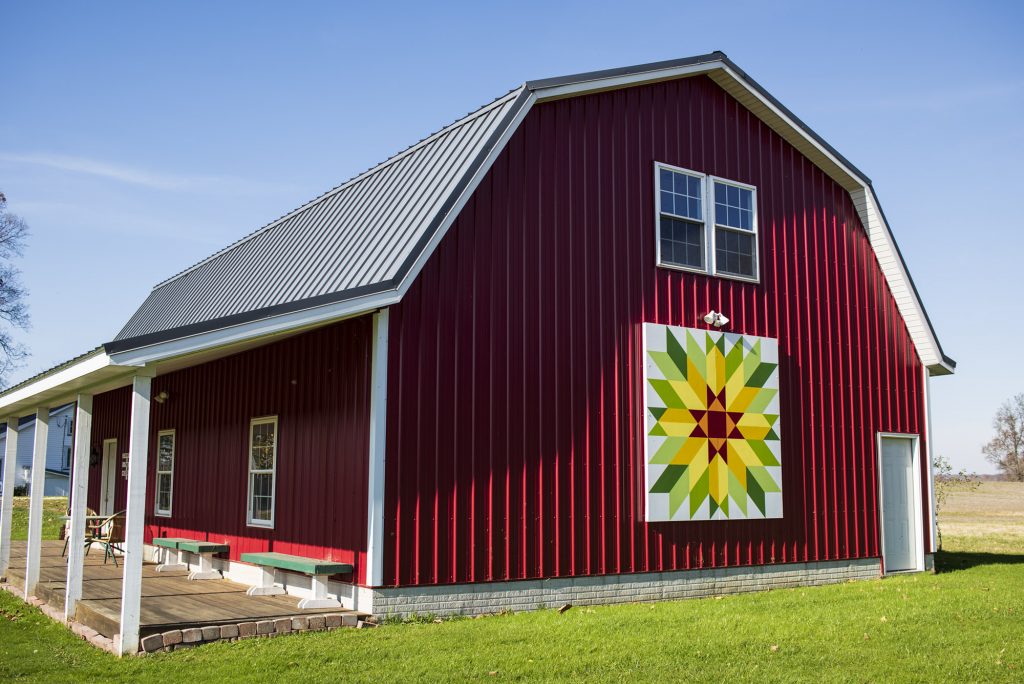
column 951, row 561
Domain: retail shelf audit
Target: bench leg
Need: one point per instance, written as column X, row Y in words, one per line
column 320, row 599
column 267, row 588
column 170, row 562
column 205, row 571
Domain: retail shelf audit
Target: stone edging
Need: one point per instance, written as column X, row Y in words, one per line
column 177, row 639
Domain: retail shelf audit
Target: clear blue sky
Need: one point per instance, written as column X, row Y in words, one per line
column 136, row 138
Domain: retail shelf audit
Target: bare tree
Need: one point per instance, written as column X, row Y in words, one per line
column 1006, row 450
column 13, row 309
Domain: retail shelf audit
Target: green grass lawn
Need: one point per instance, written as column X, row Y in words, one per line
column 962, row 624
column 53, row 508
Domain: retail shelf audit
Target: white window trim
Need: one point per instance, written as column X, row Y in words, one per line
column 658, row 166
column 715, row 226
column 174, row 457
column 915, row 464
column 266, row 524
column 708, row 225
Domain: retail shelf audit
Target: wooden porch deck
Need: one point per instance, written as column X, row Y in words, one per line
column 169, row 600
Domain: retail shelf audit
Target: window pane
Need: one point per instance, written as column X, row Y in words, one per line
column 261, row 508
column 734, row 206
column 262, row 452
column 165, row 453
column 666, row 202
column 682, row 243
column 163, row 492
column 734, row 253
column 262, row 458
column 680, row 194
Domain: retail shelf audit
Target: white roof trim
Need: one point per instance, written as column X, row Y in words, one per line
column 879, row 234
column 245, row 332
column 60, row 385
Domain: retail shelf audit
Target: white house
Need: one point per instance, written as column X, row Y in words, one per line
column 58, row 451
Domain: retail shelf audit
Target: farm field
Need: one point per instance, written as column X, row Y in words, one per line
column 961, row 624
column 992, row 517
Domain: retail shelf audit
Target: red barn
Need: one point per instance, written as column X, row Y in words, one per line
column 624, row 335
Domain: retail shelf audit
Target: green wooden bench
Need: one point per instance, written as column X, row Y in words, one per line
column 318, row 570
column 204, row 550
column 170, row 558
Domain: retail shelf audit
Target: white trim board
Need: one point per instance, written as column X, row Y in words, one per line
column 915, row 465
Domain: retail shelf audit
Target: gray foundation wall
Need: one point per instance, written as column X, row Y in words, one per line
column 492, row 597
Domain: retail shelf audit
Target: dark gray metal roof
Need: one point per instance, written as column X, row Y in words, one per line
column 360, row 238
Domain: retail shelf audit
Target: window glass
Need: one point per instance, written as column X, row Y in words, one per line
column 262, row 466
column 681, row 195
column 734, row 206
column 682, row 242
column 164, row 471
column 734, row 253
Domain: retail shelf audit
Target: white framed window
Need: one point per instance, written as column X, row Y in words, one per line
column 682, row 235
column 706, row 224
column 164, row 472
column 262, row 470
column 735, row 236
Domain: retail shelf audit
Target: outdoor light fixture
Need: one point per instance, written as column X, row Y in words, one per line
column 716, row 319
column 161, row 398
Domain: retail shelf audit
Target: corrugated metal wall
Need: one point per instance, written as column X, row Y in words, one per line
column 318, row 386
column 111, row 413
column 515, row 413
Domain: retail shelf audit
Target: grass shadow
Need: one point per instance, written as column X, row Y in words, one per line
column 951, row 561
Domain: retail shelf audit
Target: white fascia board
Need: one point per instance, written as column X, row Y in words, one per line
column 879, row 234
column 248, row 331
column 76, row 371
column 882, row 242
column 911, row 308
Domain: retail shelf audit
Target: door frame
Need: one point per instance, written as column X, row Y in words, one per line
column 915, row 466
column 104, row 469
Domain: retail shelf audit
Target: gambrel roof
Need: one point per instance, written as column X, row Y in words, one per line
column 360, row 246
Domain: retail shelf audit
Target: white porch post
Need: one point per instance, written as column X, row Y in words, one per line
column 138, row 457
column 10, row 460
column 79, row 494
column 35, row 502
column 378, row 424
column 933, row 526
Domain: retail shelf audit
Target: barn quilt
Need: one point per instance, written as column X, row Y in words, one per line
column 712, row 425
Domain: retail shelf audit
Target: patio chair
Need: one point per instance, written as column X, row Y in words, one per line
column 67, row 532
column 110, row 535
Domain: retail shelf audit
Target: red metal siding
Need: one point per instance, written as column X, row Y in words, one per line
column 110, row 412
column 318, row 386
column 515, row 407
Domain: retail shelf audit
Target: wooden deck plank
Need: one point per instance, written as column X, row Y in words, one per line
column 169, row 600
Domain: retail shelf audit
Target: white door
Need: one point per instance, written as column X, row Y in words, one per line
column 108, row 477
column 899, row 532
